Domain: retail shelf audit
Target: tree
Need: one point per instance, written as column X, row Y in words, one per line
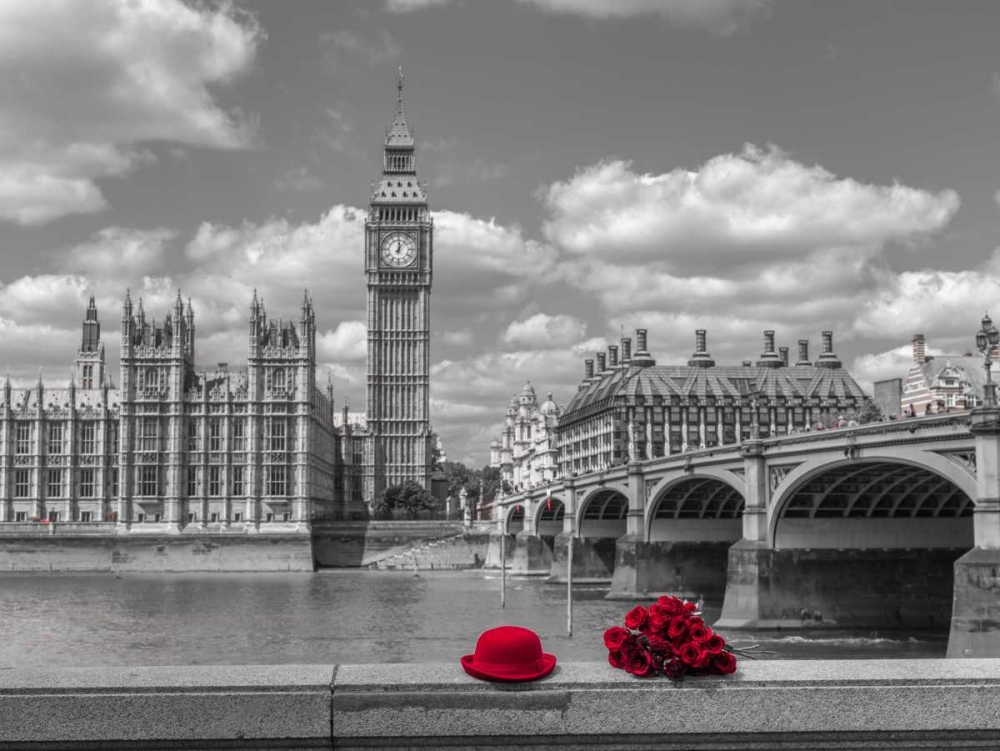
column 491, row 481
column 406, row 500
column 868, row 412
column 459, row 476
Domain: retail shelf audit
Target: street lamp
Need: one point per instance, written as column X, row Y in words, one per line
column 987, row 339
column 754, row 415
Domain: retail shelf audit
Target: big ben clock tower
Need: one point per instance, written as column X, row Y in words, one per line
column 398, row 261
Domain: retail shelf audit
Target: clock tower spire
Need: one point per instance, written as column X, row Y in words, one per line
column 398, row 262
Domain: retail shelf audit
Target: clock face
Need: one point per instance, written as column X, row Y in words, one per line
column 398, row 249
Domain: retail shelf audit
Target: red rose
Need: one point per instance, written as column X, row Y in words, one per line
column 678, row 627
column 695, row 621
column 639, row 663
column 699, row 633
column 670, row 605
column 689, row 607
column 661, row 645
column 690, row 653
column 616, row 659
column 724, row 663
column 659, row 622
column 636, row 618
column 629, row 645
column 614, row 637
column 714, row 644
column 704, row 658
column 674, row 668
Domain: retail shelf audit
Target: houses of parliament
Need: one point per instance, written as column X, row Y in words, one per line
column 176, row 446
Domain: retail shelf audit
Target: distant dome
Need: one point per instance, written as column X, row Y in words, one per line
column 528, row 394
column 549, row 407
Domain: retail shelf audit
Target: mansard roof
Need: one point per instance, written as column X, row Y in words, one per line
column 625, row 385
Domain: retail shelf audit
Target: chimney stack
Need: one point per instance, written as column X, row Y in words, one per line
column 641, row 357
column 700, row 358
column 613, row 355
column 769, row 358
column 601, row 363
column 783, row 353
column 804, row 353
column 919, row 349
column 588, row 369
column 828, row 359
column 626, row 350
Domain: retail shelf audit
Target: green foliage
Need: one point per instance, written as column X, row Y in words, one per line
column 408, row 501
column 868, row 412
column 459, row 476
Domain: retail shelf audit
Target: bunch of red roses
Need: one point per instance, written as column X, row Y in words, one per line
column 668, row 637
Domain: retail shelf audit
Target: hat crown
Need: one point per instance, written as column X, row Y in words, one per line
column 508, row 645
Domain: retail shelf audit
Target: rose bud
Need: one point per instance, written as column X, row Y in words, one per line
column 616, row 659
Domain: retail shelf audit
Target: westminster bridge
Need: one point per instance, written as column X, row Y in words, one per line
column 887, row 525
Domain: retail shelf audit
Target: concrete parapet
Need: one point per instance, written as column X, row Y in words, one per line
column 835, row 704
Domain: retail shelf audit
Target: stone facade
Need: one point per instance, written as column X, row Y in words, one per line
column 633, row 409
column 526, row 452
column 177, row 446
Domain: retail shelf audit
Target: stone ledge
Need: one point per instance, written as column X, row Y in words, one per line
column 848, row 704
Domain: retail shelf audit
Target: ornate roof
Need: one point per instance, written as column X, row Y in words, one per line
column 624, row 384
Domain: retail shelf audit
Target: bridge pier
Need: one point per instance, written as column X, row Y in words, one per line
column 593, row 559
column 532, row 554
column 498, row 538
column 975, row 619
column 831, row 588
column 685, row 569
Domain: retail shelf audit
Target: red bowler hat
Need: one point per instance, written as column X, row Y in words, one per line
column 509, row 653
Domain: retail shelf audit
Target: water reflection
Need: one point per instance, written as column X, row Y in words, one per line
column 329, row 617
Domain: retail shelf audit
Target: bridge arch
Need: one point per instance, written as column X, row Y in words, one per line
column 549, row 516
column 513, row 519
column 914, row 500
column 602, row 513
column 699, row 507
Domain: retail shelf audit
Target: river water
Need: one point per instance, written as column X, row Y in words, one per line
column 335, row 617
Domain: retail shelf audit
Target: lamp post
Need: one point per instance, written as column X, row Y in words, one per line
column 754, row 416
column 987, row 339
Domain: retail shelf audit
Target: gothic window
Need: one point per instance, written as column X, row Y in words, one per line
column 277, row 379
column 86, row 516
column 86, row 483
column 55, row 438
column 276, row 434
column 88, row 376
column 23, row 438
column 87, row 438
column 149, row 434
column 215, row 480
column 215, row 434
column 114, row 482
column 239, row 434
column 54, row 485
column 237, row 481
column 149, row 480
column 192, row 435
column 276, row 480
column 152, row 378
column 20, row 516
column 112, row 430
column 21, row 483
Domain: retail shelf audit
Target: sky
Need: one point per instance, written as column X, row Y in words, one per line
column 593, row 167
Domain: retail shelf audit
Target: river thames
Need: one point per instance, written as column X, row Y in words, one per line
column 340, row 616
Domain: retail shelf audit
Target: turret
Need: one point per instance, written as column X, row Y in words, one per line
column 828, row 359
column 700, row 358
column 642, row 358
column 803, row 353
column 769, row 358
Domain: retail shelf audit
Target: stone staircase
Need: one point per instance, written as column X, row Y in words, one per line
column 449, row 553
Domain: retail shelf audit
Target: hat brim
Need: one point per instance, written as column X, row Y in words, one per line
column 547, row 664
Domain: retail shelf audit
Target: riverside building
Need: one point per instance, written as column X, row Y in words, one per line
column 527, row 453
column 630, row 408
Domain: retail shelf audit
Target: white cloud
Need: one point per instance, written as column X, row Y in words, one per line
column 542, row 331
column 461, row 338
column 119, row 251
column 408, row 6
column 737, row 208
column 349, row 341
column 720, row 16
column 95, row 79
column 299, row 180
